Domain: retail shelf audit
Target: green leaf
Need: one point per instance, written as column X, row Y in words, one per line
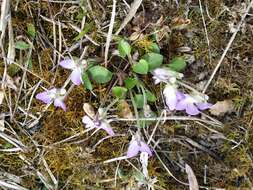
column 31, row 30
column 13, row 69
column 139, row 100
column 21, row 45
column 141, row 67
column 100, row 74
column 7, row 145
column 139, row 176
column 130, row 83
column 150, row 96
column 86, row 81
column 30, row 64
column 124, row 48
column 154, row 48
column 154, row 60
column 87, row 27
column 119, row 91
column 177, row 64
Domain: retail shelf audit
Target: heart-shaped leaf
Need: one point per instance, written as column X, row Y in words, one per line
column 119, row 91
column 86, row 81
column 139, row 100
column 141, row 67
column 124, row 48
column 154, row 48
column 130, row 83
column 21, row 45
column 100, row 74
column 150, row 96
column 31, row 30
column 177, row 64
column 154, row 60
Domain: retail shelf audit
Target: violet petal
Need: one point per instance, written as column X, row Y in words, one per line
column 67, row 64
column 107, row 128
column 59, row 103
column 181, row 105
column 76, row 76
column 203, row 106
column 145, row 148
column 157, row 80
column 191, row 109
column 133, row 149
column 180, row 95
column 88, row 122
column 44, row 97
column 52, row 91
column 170, row 97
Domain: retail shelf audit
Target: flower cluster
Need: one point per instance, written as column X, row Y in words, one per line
column 77, row 69
column 175, row 100
column 53, row 95
column 98, row 124
column 137, row 145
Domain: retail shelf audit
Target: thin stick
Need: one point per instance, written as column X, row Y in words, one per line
column 181, row 118
column 109, row 35
column 228, row 46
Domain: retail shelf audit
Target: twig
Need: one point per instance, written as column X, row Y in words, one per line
column 172, row 118
column 109, row 35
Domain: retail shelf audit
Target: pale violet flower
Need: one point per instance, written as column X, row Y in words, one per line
column 193, row 103
column 53, row 95
column 98, row 124
column 166, row 75
column 137, row 145
column 172, row 95
column 77, row 69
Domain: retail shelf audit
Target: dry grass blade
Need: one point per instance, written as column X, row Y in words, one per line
column 193, row 183
column 1, row 96
column 2, row 127
column 11, row 49
column 134, row 7
column 13, row 141
column 109, row 35
column 11, row 186
column 4, row 14
column 44, row 180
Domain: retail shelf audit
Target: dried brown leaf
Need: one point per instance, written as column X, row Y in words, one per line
column 134, row 36
column 180, row 23
column 89, row 110
column 193, row 183
column 222, row 107
column 124, row 110
column 10, row 83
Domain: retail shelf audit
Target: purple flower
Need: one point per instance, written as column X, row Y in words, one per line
column 166, row 75
column 172, row 96
column 98, row 124
column 193, row 103
column 137, row 145
column 77, row 69
column 55, row 95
